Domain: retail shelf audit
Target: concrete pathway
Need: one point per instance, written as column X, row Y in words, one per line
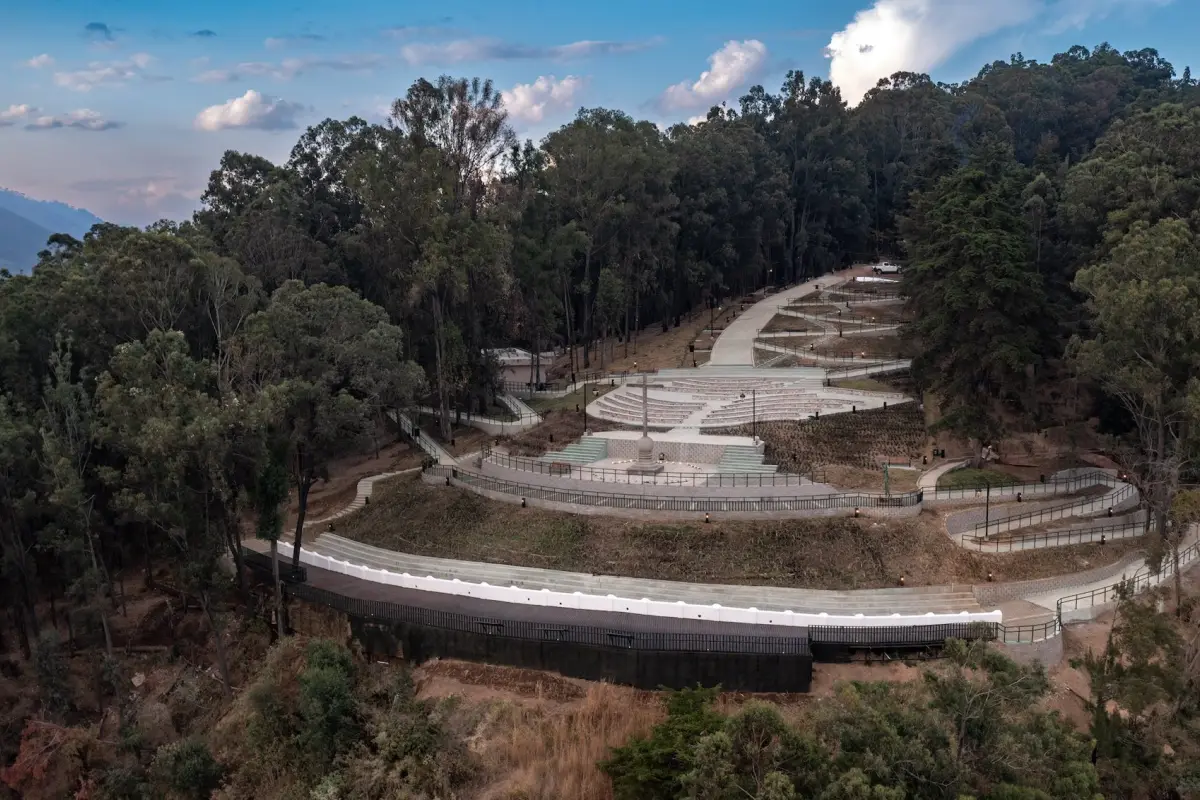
column 929, row 479
column 735, row 345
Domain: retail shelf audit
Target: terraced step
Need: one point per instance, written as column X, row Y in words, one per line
column 873, row 602
column 586, row 451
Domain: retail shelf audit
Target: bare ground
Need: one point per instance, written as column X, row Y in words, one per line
column 831, row 553
column 339, row 489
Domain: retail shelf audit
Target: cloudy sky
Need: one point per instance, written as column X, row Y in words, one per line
column 124, row 107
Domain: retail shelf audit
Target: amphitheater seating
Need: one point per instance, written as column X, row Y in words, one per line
column 627, row 407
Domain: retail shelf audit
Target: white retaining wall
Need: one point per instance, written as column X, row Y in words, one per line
column 646, row 606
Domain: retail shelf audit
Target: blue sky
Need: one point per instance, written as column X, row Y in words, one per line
column 124, row 107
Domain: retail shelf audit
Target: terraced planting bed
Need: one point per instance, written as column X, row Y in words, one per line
column 855, row 440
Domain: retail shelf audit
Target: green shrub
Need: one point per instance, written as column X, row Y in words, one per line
column 652, row 768
column 329, row 718
column 51, row 668
column 187, row 769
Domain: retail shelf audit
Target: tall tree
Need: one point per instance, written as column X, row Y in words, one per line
column 325, row 362
column 980, row 309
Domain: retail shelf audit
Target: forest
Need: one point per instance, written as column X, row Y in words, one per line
column 165, row 392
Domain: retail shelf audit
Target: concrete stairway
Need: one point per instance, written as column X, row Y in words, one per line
column 744, row 458
column 587, row 450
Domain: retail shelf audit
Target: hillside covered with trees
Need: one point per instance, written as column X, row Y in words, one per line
column 163, row 392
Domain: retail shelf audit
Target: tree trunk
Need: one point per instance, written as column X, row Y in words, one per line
column 587, row 306
column 302, row 490
column 278, row 587
column 222, row 658
column 108, row 648
column 439, row 342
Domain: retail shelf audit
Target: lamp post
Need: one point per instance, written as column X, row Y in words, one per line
column 753, row 412
column 585, row 408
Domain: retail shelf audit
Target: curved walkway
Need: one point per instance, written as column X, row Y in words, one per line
column 874, row 604
column 735, row 345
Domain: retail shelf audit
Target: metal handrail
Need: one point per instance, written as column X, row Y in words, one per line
column 649, row 502
column 1054, row 512
column 1142, row 579
column 602, row 475
column 1031, row 541
column 1052, row 485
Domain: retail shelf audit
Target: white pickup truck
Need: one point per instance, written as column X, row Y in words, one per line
column 886, row 268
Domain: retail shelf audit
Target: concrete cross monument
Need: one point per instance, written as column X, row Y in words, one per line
column 645, row 464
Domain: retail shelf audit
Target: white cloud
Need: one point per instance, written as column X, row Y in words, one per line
column 730, row 68
column 289, row 68
column 14, row 114
column 1069, row 14
column 696, row 120
column 529, row 102
column 106, row 73
column 83, row 119
column 216, row 76
column 919, row 35
column 278, row 42
column 38, row 62
column 251, row 110
column 463, row 50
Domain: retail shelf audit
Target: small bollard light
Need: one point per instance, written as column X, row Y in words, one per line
column 447, row 480
column 552, row 437
column 330, row 527
column 523, row 502
column 1103, row 539
column 901, row 580
column 989, row 576
column 707, row 519
column 885, row 405
column 577, row 408
column 924, row 460
column 452, row 441
column 1018, row 497
column 856, row 511
column 1043, row 478
column 853, row 409
column 1110, row 511
column 367, row 501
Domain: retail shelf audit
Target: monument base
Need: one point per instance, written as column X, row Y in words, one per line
column 650, row 468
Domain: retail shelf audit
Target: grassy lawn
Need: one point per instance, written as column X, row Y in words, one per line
column 832, row 553
column 971, row 478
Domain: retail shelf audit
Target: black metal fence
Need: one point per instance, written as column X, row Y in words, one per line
column 1052, row 485
column 648, row 660
column 600, row 475
column 1060, row 511
column 262, row 562
column 646, row 502
column 1030, row 541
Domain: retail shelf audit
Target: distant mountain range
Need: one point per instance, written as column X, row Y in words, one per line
column 26, row 224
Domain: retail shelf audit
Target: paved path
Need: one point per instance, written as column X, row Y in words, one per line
column 735, row 346
column 866, row 601
column 929, row 479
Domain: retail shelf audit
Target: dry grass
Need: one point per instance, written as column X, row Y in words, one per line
column 569, row 402
column 545, row 752
column 877, row 346
column 652, row 349
column 559, row 429
column 869, row 480
column 829, row 553
column 782, row 322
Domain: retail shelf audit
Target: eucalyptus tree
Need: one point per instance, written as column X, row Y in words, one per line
column 323, row 363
